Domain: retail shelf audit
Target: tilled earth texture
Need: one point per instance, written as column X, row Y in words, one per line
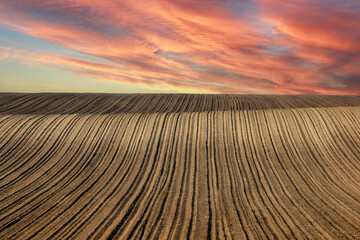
column 106, row 166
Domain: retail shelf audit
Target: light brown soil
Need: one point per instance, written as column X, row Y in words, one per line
column 86, row 166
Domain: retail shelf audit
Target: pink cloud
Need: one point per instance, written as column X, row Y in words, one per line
column 288, row 47
column 4, row 53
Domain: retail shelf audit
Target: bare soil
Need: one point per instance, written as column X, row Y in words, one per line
column 107, row 166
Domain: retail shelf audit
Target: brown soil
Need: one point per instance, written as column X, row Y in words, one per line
column 91, row 166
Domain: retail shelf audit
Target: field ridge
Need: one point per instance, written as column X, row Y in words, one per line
column 122, row 166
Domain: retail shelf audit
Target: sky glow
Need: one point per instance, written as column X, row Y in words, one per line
column 181, row 46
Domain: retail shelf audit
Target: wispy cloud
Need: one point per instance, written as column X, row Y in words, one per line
column 5, row 53
column 262, row 46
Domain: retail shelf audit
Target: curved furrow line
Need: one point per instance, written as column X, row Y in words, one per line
column 10, row 126
column 288, row 149
column 331, row 162
column 101, row 191
column 303, row 195
column 96, row 145
column 96, row 103
column 138, row 177
column 257, row 190
column 24, row 130
column 182, row 212
column 148, row 182
column 6, row 123
column 287, row 183
column 337, row 171
column 339, row 185
column 164, row 182
column 337, row 166
column 27, row 156
column 227, row 180
column 115, row 174
column 85, row 179
column 37, row 184
column 65, row 107
column 153, row 183
column 73, row 153
column 327, row 140
column 233, row 171
column 54, row 143
column 7, row 100
column 115, row 104
column 301, row 165
column 283, row 217
column 176, row 166
column 222, row 225
column 153, row 189
column 345, row 170
column 33, row 208
column 274, row 170
column 193, row 206
column 34, row 105
column 344, row 131
column 271, row 218
column 178, row 140
column 247, row 179
column 211, row 231
column 23, row 103
column 277, row 174
column 155, row 193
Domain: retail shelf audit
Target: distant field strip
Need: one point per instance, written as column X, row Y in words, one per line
column 91, row 166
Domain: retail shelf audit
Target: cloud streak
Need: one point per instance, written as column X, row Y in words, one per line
column 262, row 46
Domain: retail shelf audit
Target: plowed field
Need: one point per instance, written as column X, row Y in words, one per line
column 92, row 166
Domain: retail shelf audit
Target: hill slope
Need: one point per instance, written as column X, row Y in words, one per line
column 179, row 166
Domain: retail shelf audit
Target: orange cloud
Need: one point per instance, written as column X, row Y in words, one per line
column 260, row 46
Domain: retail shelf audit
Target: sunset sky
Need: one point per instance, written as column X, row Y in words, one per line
column 180, row 46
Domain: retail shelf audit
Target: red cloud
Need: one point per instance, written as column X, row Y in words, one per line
column 288, row 47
